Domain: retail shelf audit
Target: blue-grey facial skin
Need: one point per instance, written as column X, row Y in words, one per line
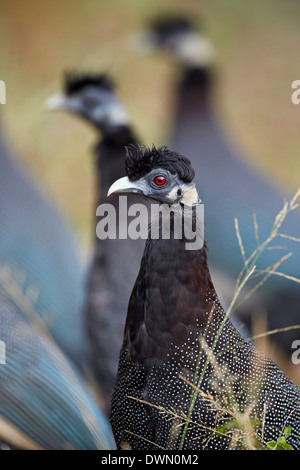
column 103, row 107
column 173, row 191
column 97, row 106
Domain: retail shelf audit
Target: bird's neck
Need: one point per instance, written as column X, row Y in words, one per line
column 110, row 157
column 195, row 90
column 197, row 61
column 194, row 110
column 172, row 294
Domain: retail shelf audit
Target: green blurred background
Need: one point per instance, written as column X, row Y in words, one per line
column 258, row 46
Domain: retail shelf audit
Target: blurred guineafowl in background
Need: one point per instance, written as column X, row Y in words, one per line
column 115, row 261
column 39, row 248
column 44, row 403
column 229, row 184
column 166, row 377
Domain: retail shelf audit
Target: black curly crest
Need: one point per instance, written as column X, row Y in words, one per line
column 141, row 160
column 168, row 25
column 75, row 81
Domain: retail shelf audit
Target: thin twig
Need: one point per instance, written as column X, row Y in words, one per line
column 255, row 226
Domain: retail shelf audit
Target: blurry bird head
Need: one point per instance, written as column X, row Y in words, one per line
column 91, row 97
column 180, row 37
column 159, row 174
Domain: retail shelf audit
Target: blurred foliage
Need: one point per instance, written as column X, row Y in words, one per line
column 258, row 49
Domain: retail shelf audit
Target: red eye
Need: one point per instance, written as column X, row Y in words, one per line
column 159, row 180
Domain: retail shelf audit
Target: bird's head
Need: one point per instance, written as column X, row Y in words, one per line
column 179, row 36
column 159, row 174
column 90, row 96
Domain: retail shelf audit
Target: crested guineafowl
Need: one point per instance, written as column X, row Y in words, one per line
column 187, row 379
column 231, row 186
column 114, row 262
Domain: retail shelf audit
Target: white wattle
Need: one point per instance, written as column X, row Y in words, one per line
column 196, row 50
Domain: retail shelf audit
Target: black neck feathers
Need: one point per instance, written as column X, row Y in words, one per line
column 179, row 285
column 195, row 91
column 110, row 155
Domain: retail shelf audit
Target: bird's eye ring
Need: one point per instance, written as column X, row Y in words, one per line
column 160, row 180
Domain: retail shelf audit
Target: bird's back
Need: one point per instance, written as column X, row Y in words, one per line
column 42, row 395
column 232, row 187
column 41, row 252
